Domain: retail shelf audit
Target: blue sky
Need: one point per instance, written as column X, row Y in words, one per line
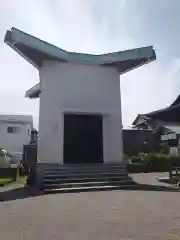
column 96, row 26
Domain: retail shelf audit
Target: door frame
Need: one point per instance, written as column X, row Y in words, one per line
column 86, row 114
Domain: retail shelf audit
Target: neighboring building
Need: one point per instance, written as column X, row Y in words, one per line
column 153, row 120
column 139, row 141
column 143, row 122
column 171, row 135
column 15, row 131
column 166, row 121
column 80, row 107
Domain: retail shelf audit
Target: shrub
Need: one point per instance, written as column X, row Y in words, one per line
column 157, row 161
column 4, row 163
column 135, row 168
column 150, row 158
column 136, row 159
column 153, row 162
column 164, row 148
column 142, row 155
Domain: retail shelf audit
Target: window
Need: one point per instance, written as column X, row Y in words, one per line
column 13, row 129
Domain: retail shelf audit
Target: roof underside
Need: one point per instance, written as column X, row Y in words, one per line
column 34, row 92
column 36, row 51
column 172, row 129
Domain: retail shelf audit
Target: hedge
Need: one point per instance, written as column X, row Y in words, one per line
column 153, row 162
column 136, row 159
column 135, row 168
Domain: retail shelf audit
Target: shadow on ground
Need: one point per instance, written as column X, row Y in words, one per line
column 171, row 181
column 19, row 193
column 158, row 188
column 28, row 192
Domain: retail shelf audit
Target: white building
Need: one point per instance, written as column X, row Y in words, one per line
column 15, row 131
column 80, row 108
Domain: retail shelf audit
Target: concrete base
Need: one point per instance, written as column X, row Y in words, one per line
column 41, row 167
column 40, row 171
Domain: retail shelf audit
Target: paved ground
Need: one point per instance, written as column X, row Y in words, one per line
column 150, row 178
column 94, row 215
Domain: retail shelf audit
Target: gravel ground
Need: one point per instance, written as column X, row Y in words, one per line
column 93, row 215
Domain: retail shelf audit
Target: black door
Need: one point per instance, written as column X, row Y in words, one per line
column 83, row 139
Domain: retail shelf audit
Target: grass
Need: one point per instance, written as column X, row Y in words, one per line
column 21, row 181
column 5, row 180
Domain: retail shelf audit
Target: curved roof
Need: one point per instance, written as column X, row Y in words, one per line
column 168, row 114
column 177, row 101
column 35, row 51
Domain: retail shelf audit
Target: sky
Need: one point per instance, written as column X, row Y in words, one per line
column 95, row 26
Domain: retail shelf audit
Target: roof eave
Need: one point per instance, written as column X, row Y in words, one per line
column 8, row 39
column 135, row 58
column 140, row 116
column 137, row 66
column 34, row 95
column 16, row 39
column 16, row 36
column 33, row 92
column 136, row 119
column 162, row 110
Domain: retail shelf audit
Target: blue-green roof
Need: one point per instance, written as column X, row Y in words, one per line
column 35, row 51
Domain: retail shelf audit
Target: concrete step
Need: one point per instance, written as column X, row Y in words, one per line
column 88, row 189
column 87, row 174
column 84, row 179
column 88, row 184
column 69, row 171
column 85, row 166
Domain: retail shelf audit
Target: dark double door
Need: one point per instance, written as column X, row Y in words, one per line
column 83, row 141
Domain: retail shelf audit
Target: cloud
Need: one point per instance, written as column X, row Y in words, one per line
column 94, row 27
column 147, row 89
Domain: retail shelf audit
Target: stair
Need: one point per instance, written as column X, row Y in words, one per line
column 80, row 177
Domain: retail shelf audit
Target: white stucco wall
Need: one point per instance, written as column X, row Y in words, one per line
column 13, row 142
column 79, row 89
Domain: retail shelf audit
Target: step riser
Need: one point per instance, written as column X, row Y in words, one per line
column 84, row 180
column 85, row 184
column 86, row 165
column 90, row 175
column 83, row 171
column 94, row 165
